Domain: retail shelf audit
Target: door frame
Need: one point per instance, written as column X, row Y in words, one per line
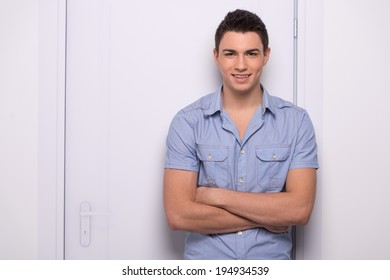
column 51, row 140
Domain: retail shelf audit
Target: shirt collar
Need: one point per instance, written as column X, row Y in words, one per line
column 216, row 103
column 266, row 102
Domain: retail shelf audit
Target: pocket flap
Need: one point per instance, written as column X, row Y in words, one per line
column 212, row 153
column 273, row 153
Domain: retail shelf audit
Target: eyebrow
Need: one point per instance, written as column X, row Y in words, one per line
column 247, row 51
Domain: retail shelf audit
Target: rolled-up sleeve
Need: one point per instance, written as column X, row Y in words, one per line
column 305, row 150
column 180, row 145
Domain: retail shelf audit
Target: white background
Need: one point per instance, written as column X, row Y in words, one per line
column 344, row 66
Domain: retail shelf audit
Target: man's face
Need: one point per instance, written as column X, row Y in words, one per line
column 241, row 60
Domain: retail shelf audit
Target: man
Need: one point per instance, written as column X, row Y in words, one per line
column 241, row 164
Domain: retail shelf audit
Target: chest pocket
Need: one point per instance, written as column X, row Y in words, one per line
column 213, row 170
column 272, row 167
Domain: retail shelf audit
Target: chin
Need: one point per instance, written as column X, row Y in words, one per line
column 244, row 89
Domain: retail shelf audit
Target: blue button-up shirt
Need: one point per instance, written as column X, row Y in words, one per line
column 202, row 138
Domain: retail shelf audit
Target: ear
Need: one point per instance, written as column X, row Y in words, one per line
column 215, row 56
column 266, row 55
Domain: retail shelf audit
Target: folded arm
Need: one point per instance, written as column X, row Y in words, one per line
column 184, row 213
column 292, row 207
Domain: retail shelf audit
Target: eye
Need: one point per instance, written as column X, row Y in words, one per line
column 254, row 54
column 229, row 54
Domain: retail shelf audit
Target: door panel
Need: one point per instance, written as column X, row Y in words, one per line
column 131, row 65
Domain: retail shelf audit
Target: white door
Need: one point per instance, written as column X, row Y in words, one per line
column 131, row 65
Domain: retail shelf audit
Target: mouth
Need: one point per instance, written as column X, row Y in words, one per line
column 241, row 77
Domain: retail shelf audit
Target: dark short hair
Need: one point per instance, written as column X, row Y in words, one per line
column 241, row 21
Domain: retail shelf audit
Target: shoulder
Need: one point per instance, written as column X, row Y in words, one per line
column 285, row 113
column 280, row 106
column 199, row 108
column 202, row 104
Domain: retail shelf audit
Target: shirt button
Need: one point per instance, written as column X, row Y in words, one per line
column 274, row 157
column 239, row 233
column 241, row 180
column 242, row 152
column 209, row 157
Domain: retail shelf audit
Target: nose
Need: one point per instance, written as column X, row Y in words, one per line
column 241, row 64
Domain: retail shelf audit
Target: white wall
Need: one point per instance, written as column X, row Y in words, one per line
column 32, row 52
column 356, row 129
column 19, row 129
column 350, row 112
column 345, row 63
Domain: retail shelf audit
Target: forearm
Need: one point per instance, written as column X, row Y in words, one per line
column 267, row 209
column 292, row 207
column 184, row 213
column 206, row 219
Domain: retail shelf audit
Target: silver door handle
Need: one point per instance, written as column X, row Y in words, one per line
column 85, row 222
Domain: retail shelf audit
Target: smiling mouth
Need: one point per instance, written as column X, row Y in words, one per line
column 241, row 76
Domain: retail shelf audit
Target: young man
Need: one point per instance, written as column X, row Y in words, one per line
column 241, row 164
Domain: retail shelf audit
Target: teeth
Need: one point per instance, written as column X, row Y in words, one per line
column 241, row 76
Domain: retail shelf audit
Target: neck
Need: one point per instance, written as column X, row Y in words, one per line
column 241, row 100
